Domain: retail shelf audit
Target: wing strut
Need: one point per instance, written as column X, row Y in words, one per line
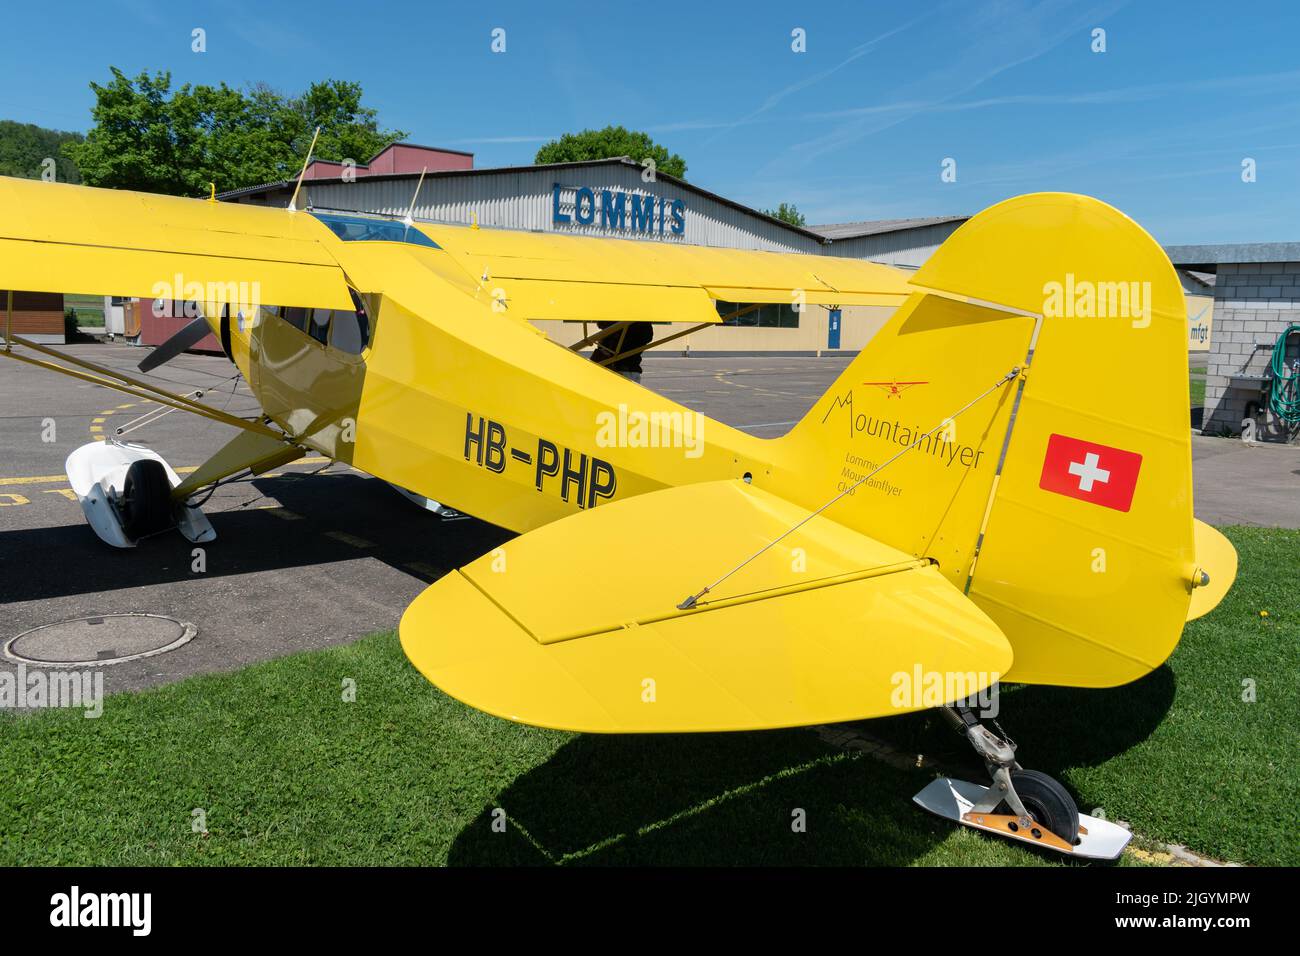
column 1002, row 458
column 597, row 335
column 650, row 345
column 122, row 382
column 621, row 327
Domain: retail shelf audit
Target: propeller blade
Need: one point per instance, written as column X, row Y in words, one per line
column 174, row 346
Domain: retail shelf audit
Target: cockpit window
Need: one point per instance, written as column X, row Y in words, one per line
column 297, row 317
column 348, row 333
column 319, row 326
column 357, row 229
column 347, row 330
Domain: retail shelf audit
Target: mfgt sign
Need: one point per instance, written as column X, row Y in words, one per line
column 626, row 212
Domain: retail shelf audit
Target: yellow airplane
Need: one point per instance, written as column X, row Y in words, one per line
column 1011, row 515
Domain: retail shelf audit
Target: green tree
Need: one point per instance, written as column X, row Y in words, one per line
column 24, row 148
column 150, row 137
column 787, row 212
column 609, row 142
column 348, row 129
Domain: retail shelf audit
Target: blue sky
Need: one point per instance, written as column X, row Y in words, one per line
column 854, row 128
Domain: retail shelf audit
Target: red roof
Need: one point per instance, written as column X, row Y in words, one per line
column 397, row 158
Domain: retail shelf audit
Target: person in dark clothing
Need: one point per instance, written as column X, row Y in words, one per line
column 634, row 336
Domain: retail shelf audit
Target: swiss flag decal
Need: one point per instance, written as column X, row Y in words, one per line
column 1095, row 473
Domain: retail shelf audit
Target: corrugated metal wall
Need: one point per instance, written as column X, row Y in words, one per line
column 907, row 247
column 523, row 200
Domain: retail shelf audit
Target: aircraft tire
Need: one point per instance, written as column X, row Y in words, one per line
column 146, row 499
column 1048, row 802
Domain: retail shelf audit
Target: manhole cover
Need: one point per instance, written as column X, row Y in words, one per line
column 110, row 639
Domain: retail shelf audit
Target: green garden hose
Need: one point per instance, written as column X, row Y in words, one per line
column 1284, row 397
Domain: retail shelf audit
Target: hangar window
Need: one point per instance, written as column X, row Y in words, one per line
column 357, row 229
column 766, row 315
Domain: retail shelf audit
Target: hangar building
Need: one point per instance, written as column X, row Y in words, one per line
column 1256, row 300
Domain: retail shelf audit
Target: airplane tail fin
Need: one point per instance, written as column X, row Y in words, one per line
column 1061, row 500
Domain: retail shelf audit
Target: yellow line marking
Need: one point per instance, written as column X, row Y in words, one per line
column 183, row 470
column 350, row 539
column 66, row 492
column 96, row 431
column 14, row 500
column 284, row 513
column 33, row 480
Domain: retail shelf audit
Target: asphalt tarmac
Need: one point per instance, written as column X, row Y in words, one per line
column 317, row 554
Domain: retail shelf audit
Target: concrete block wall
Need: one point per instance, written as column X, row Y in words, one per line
column 1253, row 304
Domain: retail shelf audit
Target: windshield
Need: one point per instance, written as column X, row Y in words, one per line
column 357, row 229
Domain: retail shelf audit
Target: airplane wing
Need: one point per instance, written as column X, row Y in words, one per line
column 582, row 278
column 575, row 625
column 56, row 237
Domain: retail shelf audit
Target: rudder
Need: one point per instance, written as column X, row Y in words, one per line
column 1088, row 555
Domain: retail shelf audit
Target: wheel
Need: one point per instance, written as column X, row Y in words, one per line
column 1049, row 803
column 146, row 502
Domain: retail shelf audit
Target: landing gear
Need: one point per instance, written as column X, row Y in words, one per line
column 1023, row 805
column 125, row 490
column 145, row 505
column 1049, row 804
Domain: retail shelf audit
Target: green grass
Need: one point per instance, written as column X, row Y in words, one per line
column 1196, row 382
column 289, row 773
column 1179, row 754
column 90, row 309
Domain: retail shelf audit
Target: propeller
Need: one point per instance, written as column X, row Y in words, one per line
column 186, row 338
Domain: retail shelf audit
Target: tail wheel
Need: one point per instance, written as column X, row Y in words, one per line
column 146, row 502
column 1049, row 803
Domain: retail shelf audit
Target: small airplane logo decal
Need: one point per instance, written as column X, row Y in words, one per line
column 894, row 389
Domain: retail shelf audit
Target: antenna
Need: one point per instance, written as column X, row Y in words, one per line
column 293, row 200
column 411, row 211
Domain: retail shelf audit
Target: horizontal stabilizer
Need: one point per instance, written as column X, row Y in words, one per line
column 576, row 625
column 1215, row 556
